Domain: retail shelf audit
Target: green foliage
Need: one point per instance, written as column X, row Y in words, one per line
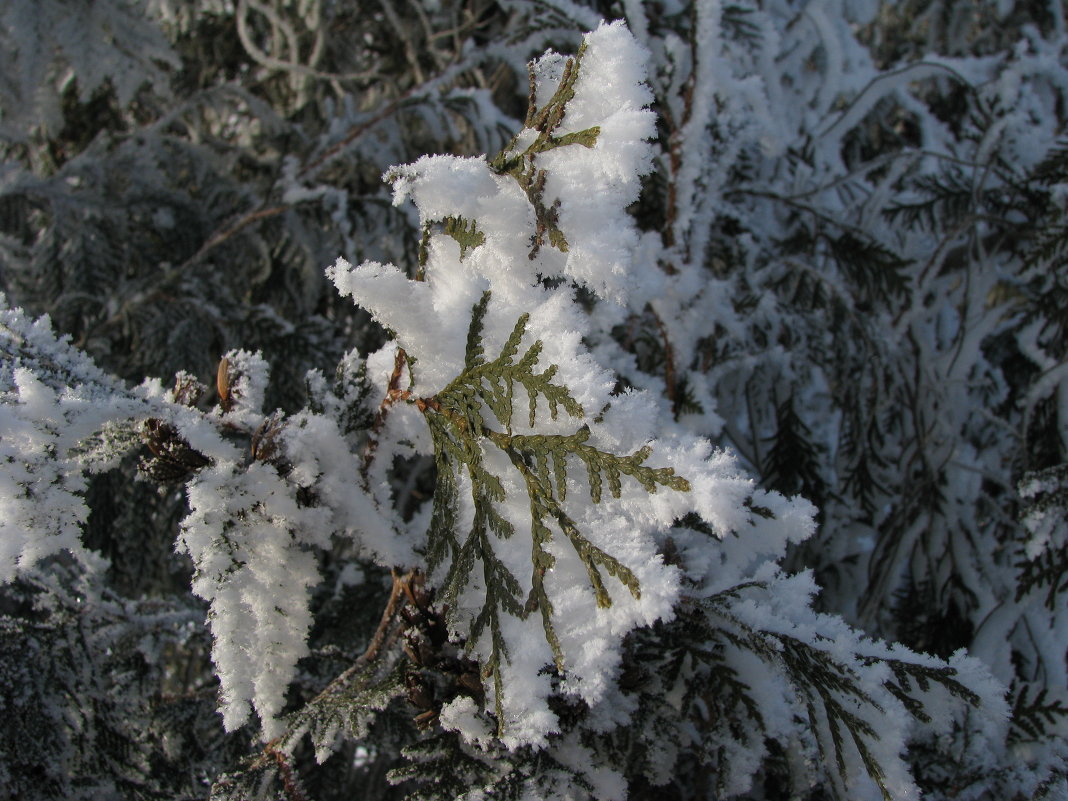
column 461, row 431
column 1048, row 571
column 86, row 706
column 791, row 465
column 695, row 660
column 878, row 273
column 348, row 707
column 1046, row 508
column 353, row 387
column 1046, row 252
column 829, row 689
column 465, row 232
column 1034, row 714
column 442, row 768
column 159, row 234
column 521, row 164
column 944, row 199
column 929, row 624
column 1053, row 168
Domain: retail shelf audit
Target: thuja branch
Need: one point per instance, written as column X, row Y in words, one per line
column 355, row 696
column 387, row 632
column 520, row 163
column 461, row 431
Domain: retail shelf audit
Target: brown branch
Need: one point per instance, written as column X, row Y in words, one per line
column 160, row 283
column 290, row 780
column 354, row 133
column 387, row 632
column 671, row 212
column 221, row 236
column 670, row 375
column 393, row 394
column 398, row 596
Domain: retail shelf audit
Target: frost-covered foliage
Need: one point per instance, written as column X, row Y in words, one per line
column 700, row 420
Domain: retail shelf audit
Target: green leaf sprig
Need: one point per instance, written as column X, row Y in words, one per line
column 461, row 431
column 521, row 164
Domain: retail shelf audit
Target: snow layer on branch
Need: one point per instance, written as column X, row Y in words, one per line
column 481, row 227
column 253, row 544
column 321, row 459
column 60, row 417
column 245, row 533
column 53, row 399
column 595, row 185
column 46, row 44
column 247, row 377
column 41, row 509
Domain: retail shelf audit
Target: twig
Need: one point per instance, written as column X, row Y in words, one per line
column 272, row 63
column 676, row 137
column 393, row 394
column 224, row 234
column 355, row 132
column 290, row 780
column 386, row 633
column 670, row 376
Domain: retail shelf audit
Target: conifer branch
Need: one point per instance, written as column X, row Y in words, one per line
column 460, row 430
column 522, row 167
column 1034, row 715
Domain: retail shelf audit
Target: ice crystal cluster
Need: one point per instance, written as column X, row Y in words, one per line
column 700, row 433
